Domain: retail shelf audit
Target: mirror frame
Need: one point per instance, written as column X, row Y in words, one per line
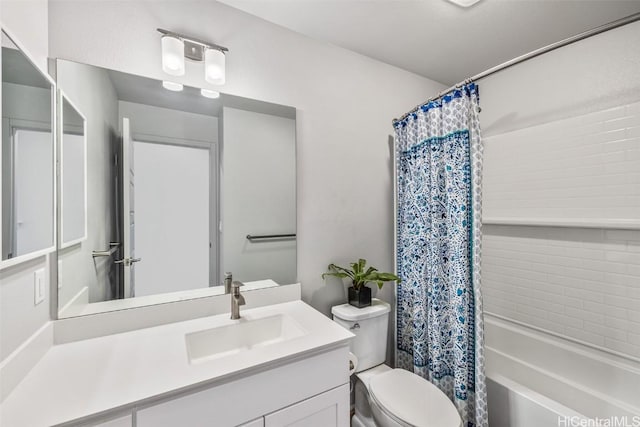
column 62, row 97
column 5, row 263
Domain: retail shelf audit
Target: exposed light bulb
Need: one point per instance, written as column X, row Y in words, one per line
column 214, row 66
column 208, row 93
column 172, row 55
column 173, row 86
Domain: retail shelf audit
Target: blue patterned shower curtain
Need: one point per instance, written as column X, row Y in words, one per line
column 439, row 327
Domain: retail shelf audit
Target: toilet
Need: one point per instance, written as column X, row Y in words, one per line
column 386, row 397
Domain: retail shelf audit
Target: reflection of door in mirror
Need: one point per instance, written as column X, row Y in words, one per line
column 170, row 217
column 31, row 157
column 128, row 262
column 27, row 157
column 167, row 185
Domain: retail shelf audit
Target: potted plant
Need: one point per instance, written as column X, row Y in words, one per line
column 359, row 293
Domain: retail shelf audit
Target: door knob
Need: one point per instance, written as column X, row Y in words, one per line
column 127, row 261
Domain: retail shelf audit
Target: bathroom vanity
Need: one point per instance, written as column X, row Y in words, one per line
column 281, row 364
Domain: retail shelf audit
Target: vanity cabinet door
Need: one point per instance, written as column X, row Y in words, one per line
column 125, row 421
column 255, row 423
column 329, row 409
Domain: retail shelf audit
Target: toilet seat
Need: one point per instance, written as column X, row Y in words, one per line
column 412, row 400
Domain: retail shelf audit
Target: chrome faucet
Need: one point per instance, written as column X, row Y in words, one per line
column 228, row 279
column 236, row 300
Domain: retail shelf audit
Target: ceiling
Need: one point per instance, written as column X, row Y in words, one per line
column 435, row 38
column 17, row 69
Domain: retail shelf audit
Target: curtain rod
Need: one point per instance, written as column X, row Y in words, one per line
column 553, row 46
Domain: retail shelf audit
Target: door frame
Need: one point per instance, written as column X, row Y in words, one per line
column 214, row 199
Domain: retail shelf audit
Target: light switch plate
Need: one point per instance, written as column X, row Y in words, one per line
column 38, row 286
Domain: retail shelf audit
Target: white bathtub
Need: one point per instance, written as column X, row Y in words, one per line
column 535, row 379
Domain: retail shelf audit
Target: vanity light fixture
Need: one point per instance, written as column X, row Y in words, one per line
column 172, row 55
column 208, row 93
column 173, row 86
column 214, row 66
column 176, row 47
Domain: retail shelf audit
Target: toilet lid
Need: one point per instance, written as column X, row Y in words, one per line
column 413, row 400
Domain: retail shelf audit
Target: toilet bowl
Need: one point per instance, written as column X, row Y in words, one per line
column 387, row 397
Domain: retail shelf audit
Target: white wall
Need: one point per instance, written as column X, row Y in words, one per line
column 19, row 318
column 562, row 146
column 29, row 103
column 258, row 195
column 72, row 175
column 28, row 22
column 92, row 92
column 345, row 104
column 72, row 209
column 587, row 76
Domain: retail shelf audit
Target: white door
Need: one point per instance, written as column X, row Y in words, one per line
column 172, row 215
column 129, row 259
column 329, row 409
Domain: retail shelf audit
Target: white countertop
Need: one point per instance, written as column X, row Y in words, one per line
column 82, row 378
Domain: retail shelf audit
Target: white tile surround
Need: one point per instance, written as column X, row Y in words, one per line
column 578, row 282
column 583, row 167
column 581, row 283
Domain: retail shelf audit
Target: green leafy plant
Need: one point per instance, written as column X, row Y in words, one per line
column 359, row 276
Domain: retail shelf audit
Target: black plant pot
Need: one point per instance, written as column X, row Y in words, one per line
column 361, row 297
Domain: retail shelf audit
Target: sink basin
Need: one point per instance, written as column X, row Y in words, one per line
column 245, row 335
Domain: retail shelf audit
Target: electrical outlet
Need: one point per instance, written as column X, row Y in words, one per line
column 59, row 273
column 38, row 286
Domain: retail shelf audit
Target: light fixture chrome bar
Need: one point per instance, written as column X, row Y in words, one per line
column 553, row 46
column 193, row 40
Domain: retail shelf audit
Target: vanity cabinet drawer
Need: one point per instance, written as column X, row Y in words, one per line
column 329, row 409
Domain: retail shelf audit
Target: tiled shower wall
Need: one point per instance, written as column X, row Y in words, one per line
column 581, row 168
column 541, row 265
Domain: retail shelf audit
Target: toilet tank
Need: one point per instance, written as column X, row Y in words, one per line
column 369, row 324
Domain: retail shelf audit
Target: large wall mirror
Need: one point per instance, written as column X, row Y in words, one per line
column 183, row 185
column 28, row 157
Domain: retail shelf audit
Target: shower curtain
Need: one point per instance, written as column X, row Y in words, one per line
column 439, row 309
